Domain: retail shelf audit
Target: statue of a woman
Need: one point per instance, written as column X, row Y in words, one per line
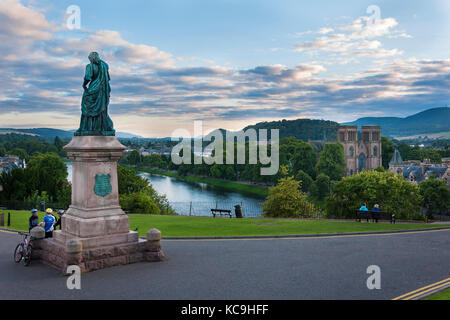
column 94, row 106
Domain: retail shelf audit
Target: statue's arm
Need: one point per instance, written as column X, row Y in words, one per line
column 87, row 76
column 85, row 84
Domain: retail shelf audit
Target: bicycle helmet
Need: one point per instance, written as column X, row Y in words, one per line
column 33, row 210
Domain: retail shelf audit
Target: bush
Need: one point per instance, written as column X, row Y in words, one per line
column 285, row 200
column 393, row 193
column 138, row 202
column 436, row 195
column 135, row 192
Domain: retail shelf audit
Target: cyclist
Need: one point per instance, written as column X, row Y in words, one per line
column 58, row 221
column 33, row 221
column 48, row 223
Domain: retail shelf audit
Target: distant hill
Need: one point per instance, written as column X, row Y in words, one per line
column 50, row 133
column 428, row 122
column 303, row 129
column 436, row 120
column 46, row 133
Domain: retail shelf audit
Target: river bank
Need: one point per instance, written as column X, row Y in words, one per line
column 226, row 185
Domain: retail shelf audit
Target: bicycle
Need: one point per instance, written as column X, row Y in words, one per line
column 24, row 249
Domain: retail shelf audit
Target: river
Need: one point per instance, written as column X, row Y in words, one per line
column 192, row 198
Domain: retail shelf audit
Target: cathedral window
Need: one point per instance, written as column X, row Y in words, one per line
column 351, row 151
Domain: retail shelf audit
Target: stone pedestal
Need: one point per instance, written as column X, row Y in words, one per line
column 96, row 232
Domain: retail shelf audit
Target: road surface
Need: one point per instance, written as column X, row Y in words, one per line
column 305, row 268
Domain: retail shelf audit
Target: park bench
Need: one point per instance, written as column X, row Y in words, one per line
column 375, row 216
column 221, row 212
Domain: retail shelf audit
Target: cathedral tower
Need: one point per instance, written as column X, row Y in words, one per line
column 364, row 153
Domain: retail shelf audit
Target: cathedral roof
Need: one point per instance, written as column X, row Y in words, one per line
column 437, row 171
column 397, row 158
column 416, row 171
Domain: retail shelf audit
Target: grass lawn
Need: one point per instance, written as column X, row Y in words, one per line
column 444, row 295
column 182, row 226
column 227, row 185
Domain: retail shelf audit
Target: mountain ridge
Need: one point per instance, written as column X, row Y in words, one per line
column 434, row 120
column 51, row 133
column 430, row 121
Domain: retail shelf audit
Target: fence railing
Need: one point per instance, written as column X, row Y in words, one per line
column 250, row 209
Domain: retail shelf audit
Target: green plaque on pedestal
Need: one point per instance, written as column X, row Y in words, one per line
column 102, row 185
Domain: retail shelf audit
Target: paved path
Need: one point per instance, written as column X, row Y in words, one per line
column 309, row 268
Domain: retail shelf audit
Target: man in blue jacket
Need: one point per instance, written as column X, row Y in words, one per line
column 49, row 222
column 33, row 221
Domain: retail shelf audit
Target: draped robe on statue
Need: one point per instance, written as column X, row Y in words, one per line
column 94, row 106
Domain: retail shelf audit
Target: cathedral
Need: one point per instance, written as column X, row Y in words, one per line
column 362, row 152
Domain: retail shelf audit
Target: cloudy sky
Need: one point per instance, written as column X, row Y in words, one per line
column 229, row 63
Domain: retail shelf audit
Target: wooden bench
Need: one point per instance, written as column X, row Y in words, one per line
column 375, row 216
column 221, row 212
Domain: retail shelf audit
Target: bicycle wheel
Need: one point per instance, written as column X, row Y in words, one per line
column 18, row 253
column 27, row 258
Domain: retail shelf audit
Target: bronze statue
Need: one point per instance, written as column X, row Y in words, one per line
column 94, row 105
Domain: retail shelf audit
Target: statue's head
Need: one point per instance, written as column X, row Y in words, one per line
column 94, row 57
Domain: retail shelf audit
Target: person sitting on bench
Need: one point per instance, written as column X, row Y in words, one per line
column 363, row 208
column 375, row 213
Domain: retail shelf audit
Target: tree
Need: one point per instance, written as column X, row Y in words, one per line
column 136, row 193
column 287, row 201
column 321, row 187
column 59, row 144
column 387, row 151
column 215, row 171
column 35, row 198
column 139, row 202
column 415, row 154
column 21, row 153
column 393, row 193
column 47, row 172
column 305, row 179
column 129, row 181
column 154, row 160
column 433, row 155
column 134, row 157
column 332, row 161
column 436, row 195
column 298, row 155
column 305, row 159
column 14, row 185
column 228, row 173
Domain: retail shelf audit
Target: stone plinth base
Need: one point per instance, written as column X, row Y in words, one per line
column 95, row 231
column 91, row 254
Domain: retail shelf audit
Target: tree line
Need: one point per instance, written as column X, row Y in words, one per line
column 25, row 146
column 45, row 179
column 315, row 169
